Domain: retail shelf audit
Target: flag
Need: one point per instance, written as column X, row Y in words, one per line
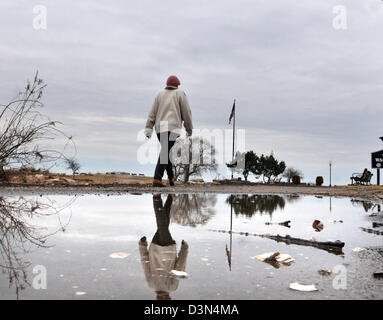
column 232, row 114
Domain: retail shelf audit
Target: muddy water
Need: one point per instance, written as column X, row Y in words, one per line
column 67, row 244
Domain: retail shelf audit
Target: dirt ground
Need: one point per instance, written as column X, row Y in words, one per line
column 374, row 193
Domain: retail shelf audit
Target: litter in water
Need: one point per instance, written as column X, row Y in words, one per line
column 275, row 259
column 179, row 274
column 325, row 272
column 303, row 287
column 119, row 255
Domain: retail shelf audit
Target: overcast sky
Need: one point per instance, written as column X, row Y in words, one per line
column 305, row 90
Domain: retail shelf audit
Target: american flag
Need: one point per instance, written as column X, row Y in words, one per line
column 232, row 114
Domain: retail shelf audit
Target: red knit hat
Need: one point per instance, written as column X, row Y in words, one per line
column 173, row 81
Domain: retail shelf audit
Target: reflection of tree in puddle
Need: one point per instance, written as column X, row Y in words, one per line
column 248, row 205
column 19, row 236
column 367, row 205
column 193, row 209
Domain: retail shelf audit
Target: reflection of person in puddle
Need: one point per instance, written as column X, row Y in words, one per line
column 162, row 255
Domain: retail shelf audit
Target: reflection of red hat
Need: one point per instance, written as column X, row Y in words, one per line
column 173, row 81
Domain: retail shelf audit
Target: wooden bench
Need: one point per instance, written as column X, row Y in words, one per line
column 361, row 178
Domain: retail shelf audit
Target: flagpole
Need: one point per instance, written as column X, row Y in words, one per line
column 231, row 229
column 233, row 138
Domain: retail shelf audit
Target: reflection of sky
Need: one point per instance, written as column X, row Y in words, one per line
column 102, row 225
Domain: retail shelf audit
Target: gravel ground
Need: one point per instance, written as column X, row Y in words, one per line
column 364, row 192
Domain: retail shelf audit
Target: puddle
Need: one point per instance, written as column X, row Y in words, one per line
column 130, row 247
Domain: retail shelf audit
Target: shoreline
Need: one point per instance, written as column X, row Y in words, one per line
column 374, row 193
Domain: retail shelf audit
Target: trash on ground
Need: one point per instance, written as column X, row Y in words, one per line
column 303, row 287
column 119, row 255
column 358, row 249
column 336, row 221
column 325, row 272
column 285, row 223
column 275, row 259
column 380, row 233
column 179, row 274
column 318, row 225
column 80, row 293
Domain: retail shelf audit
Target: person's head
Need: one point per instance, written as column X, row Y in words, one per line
column 173, row 82
column 163, row 295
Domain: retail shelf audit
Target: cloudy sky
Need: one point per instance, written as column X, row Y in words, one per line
column 305, row 90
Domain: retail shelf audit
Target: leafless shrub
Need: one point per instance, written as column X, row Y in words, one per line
column 73, row 165
column 25, row 132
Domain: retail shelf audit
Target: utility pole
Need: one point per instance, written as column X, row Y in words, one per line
column 330, row 164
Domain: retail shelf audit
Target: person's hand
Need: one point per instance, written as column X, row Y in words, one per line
column 184, row 244
column 148, row 133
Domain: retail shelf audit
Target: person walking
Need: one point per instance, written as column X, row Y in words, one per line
column 169, row 110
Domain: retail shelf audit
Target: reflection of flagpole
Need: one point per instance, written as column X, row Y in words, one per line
column 330, row 203
column 228, row 252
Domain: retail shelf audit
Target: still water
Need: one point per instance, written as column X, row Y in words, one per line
column 123, row 247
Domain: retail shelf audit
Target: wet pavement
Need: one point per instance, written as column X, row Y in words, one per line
column 125, row 247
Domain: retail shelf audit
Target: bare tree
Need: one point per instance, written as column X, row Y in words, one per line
column 25, row 132
column 290, row 172
column 193, row 157
column 73, row 165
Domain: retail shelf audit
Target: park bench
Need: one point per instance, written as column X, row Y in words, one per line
column 361, row 178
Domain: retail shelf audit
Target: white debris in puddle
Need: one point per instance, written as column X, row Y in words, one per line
column 358, row 249
column 303, row 287
column 280, row 257
column 119, row 255
column 179, row 274
column 80, row 293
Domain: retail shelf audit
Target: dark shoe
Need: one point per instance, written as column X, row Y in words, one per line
column 158, row 184
column 171, row 182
